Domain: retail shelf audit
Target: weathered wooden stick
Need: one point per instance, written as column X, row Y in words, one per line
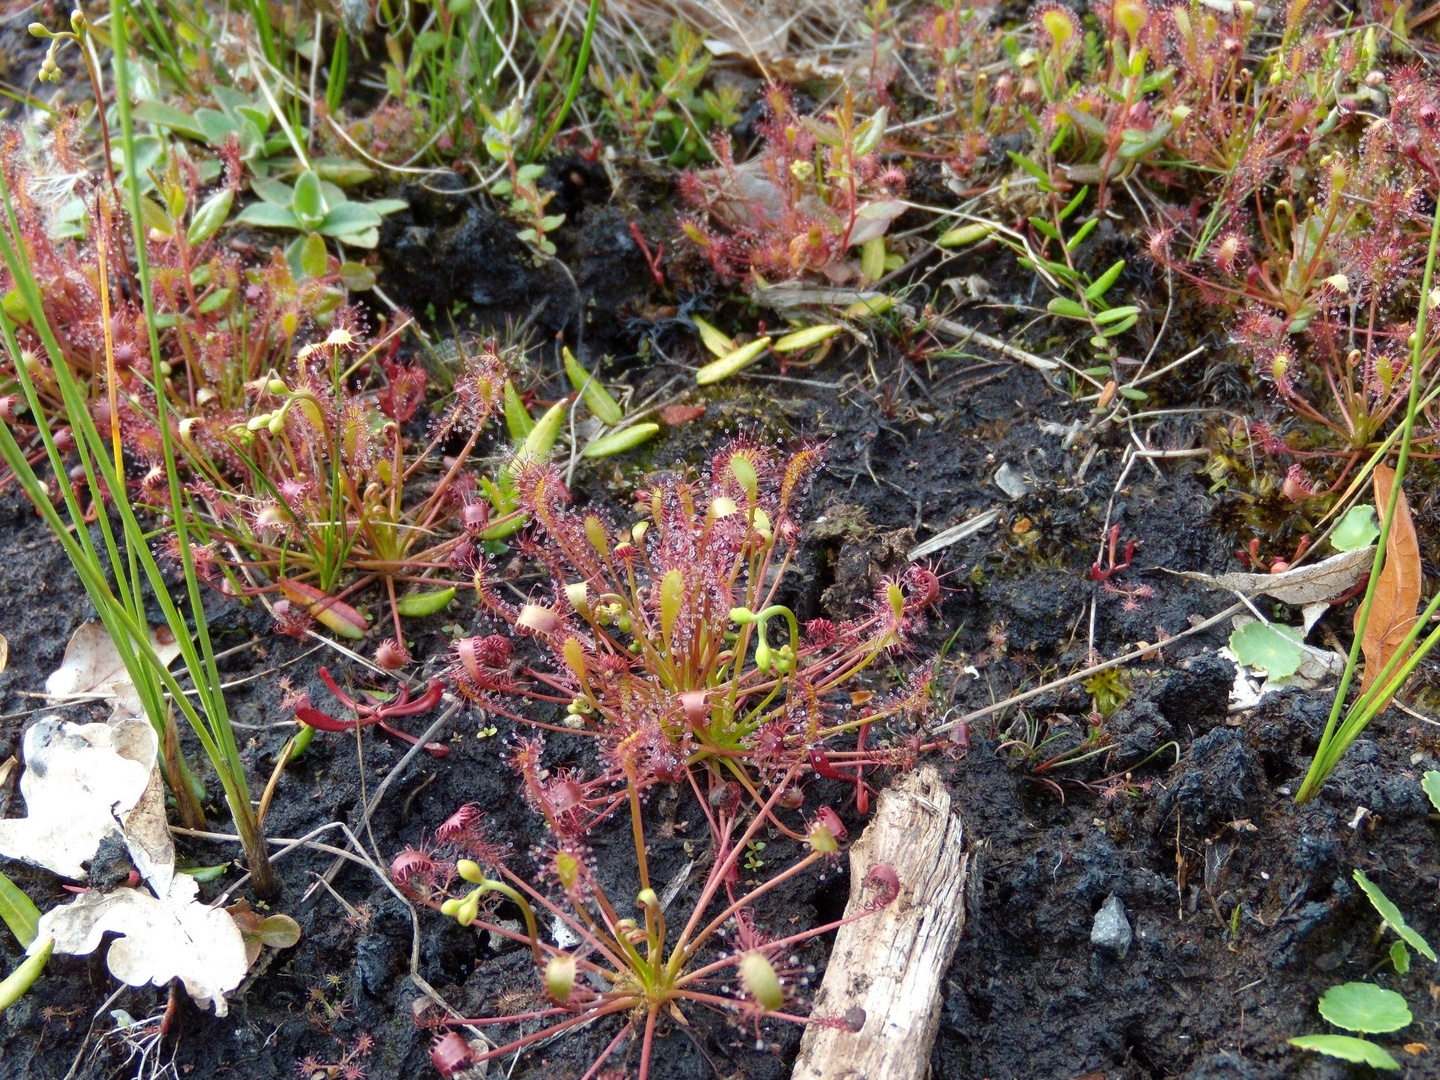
column 890, row 964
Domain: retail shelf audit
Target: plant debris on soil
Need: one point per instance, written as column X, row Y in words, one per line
column 1146, row 900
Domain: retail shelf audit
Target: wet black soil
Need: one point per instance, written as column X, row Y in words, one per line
column 1242, row 905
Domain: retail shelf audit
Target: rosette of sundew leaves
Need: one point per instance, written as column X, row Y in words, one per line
column 1362, row 1007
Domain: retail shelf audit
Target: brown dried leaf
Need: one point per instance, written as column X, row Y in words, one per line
column 1397, row 594
column 1309, row 584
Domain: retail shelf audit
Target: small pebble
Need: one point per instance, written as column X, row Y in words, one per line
column 1111, row 931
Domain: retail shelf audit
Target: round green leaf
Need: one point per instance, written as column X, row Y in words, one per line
column 1357, row 529
column 1347, row 1048
column 1273, row 649
column 1358, row 1006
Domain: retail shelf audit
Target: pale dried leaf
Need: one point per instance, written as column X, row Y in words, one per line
column 80, row 782
column 163, row 939
column 92, row 667
column 1397, row 594
column 1312, row 584
column 147, row 835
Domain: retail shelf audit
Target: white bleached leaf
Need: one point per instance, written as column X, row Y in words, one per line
column 163, row 939
column 92, row 668
column 81, row 781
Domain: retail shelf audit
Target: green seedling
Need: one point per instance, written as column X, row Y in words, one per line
column 316, row 207
column 1362, row 1007
column 1392, row 917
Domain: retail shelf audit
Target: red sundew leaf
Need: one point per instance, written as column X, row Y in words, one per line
column 322, row 721
column 1397, row 595
column 675, row 415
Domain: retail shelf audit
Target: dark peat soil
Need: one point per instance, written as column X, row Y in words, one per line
column 1202, row 993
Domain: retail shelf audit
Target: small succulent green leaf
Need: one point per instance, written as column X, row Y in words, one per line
column 417, row 605
column 1391, row 914
column 806, row 338
column 1362, row 1006
column 210, row 216
column 1273, row 649
column 712, row 338
column 357, row 277
column 872, row 258
column 965, row 234
column 309, row 202
column 340, row 171
column 1069, row 308
column 732, row 363
column 312, row 255
column 177, row 120
column 606, row 409
column 1101, row 285
column 268, row 216
column 1115, row 314
column 273, row 191
column 19, row 913
column 517, row 418
column 617, row 442
column 214, row 126
column 541, row 439
column 1347, row 1048
column 366, row 238
column 216, row 872
column 387, row 206
column 279, row 931
column 346, row 219
column 1357, row 529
